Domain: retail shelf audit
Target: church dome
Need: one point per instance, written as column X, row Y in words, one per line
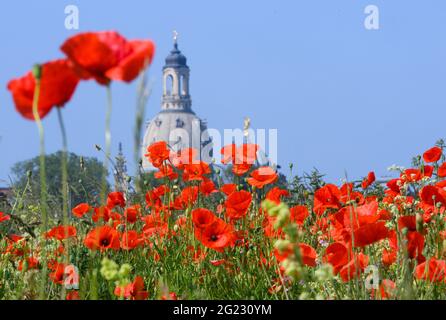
column 175, row 59
column 176, row 123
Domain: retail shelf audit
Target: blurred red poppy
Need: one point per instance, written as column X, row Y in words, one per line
column 107, row 56
column 262, row 177
column 432, row 155
column 61, row 232
column 57, row 85
column 433, row 270
column 81, row 209
column 133, row 291
column 4, row 217
column 442, row 170
column 298, row 214
column 115, row 199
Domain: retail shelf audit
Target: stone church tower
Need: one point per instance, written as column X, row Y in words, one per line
column 176, row 123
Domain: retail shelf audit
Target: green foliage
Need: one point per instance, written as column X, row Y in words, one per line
column 84, row 178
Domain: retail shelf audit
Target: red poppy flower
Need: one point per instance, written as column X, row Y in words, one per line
column 195, row 172
column 61, row 232
column 241, row 168
column 415, row 245
column 185, row 156
column 202, row 218
column 154, row 197
column 58, row 275
column 4, row 217
column 131, row 240
column 298, row 214
column 187, row 198
column 442, row 170
column 326, row 197
column 433, row 270
column 31, row 263
column 262, row 177
column 432, row 195
column 132, row 213
column 387, row 289
column 102, row 238
column 276, row 194
column 115, row 199
column 237, row 204
column 432, row 155
column 107, row 55
column 207, row 187
column 133, row 291
column 229, row 188
column 408, row 222
column 157, row 153
column 81, row 209
column 171, row 296
column 166, row 171
column 246, row 154
column 393, row 185
column 337, row 255
column 370, row 233
column 57, row 84
column 369, row 180
column 228, row 153
column 308, row 255
column 72, row 295
column 218, row 235
column 103, row 213
column 354, row 267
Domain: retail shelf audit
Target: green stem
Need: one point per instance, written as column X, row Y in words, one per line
column 107, row 145
column 64, row 185
column 43, row 196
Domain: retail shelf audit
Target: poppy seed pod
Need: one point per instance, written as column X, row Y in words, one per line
column 37, row 71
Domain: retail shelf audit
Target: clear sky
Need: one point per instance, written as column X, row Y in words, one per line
column 343, row 98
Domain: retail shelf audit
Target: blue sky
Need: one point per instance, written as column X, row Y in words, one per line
column 343, row 98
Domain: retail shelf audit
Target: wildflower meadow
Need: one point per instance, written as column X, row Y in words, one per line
column 189, row 232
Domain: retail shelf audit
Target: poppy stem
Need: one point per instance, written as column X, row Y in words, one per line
column 64, row 184
column 43, row 195
column 107, row 145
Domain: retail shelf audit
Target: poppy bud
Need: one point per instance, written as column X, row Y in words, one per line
column 125, row 270
column 37, row 71
column 129, row 179
column 29, row 174
column 25, row 265
column 419, row 220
